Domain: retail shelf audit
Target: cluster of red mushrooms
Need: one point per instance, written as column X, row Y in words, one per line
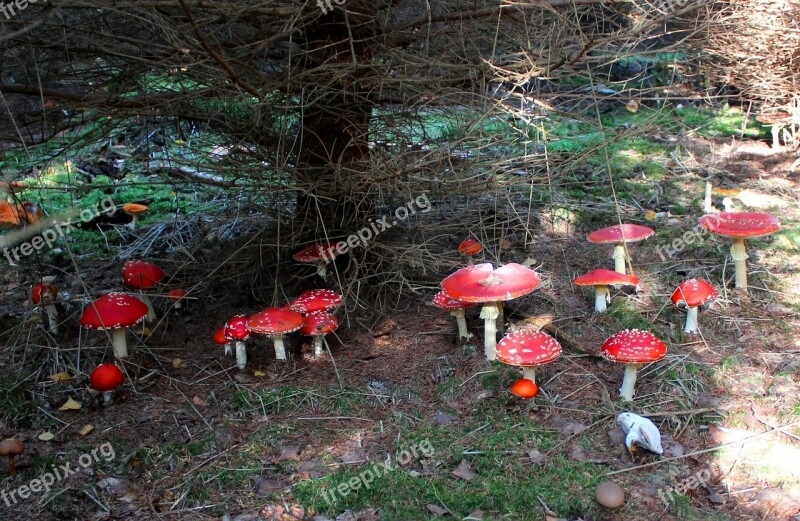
column 529, row 348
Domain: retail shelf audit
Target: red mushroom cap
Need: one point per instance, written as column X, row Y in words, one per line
column 444, row 301
column 621, row 233
column 741, row 224
column 693, row 293
column 316, row 300
column 141, row 274
column 275, row 321
column 470, row 247
column 113, row 311
column 236, row 328
column 43, row 293
column 219, row 336
column 602, row 277
column 527, row 348
column 319, row 323
column 633, row 346
column 483, row 283
column 176, row 294
column 106, row 377
column 524, row 388
column 317, row 252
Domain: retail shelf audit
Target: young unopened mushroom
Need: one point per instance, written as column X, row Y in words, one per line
column 456, row 308
column 740, row 226
column 634, row 348
column 469, row 248
column 482, row 283
column 276, row 322
column 177, row 295
column 44, row 294
column 619, row 235
column 319, row 255
column 316, row 300
column 776, row 121
column 528, row 348
column 219, row 339
column 105, row 378
column 114, row 312
column 11, row 448
column 317, row 325
column 135, row 211
column 236, row 330
column 142, row 275
column 601, row 280
column 693, row 293
column 524, row 388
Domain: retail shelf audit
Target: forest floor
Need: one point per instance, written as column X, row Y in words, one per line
column 428, row 424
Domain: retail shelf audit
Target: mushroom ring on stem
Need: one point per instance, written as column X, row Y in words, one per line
column 482, row 283
column 601, row 280
column 276, row 322
column 236, row 330
column 619, row 235
column 317, row 325
column 693, row 293
column 528, row 348
column 740, row 226
column 632, row 347
column 456, row 308
column 142, row 275
column 114, row 312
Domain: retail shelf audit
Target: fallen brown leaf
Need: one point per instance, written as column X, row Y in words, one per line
column 464, row 471
column 437, row 510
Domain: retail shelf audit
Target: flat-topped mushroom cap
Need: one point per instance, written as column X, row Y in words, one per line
column 601, row 277
column 741, row 224
column 134, row 208
column 319, row 323
column 10, row 215
column 693, row 293
column 317, row 252
column 236, row 328
column 774, row 118
column 106, row 377
column 444, row 301
column 275, row 321
column 113, row 311
column 528, row 348
column 483, row 283
column 633, row 346
column 316, row 300
column 470, row 247
column 11, row 447
column 141, row 275
column 621, row 233
column 43, row 293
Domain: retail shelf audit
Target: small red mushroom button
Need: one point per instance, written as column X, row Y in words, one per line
column 693, row 293
column 105, row 378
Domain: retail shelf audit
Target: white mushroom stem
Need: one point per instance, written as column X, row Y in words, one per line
column 619, row 258
column 489, row 314
column 602, row 295
column 529, row 373
column 322, row 269
column 707, row 206
column 52, row 317
column 228, row 349
column 241, row 354
column 463, row 334
column 318, row 349
column 740, row 260
column 280, row 350
column 151, row 313
column 628, row 382
column 132, row 224
column 106, row 397
column 119, row 342
column 691, row 321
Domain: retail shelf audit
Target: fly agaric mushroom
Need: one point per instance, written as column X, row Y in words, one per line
column 176, row 296
column 620, row 234
column 316, row 300
column 115, row 312
column 693, row 293
column 319, row 324
column 776, row 121
column 236, row 330
column 632, row 347
column 528, row 348
column 44, row 294
column 524, row 388
column 11, row 448
column 468, row 248
column 276, row 322
column 481, row 283
column 219, row 338
column 740, row 226
column 456, row 308
column 142, row 275
column 135, row 211
column 319, row 255
column 601, row 280
column 105, row 378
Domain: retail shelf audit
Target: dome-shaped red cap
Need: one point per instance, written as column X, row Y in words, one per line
column 43, row 292
column 106, row 377
column 113, row 311
column 527, row 348
column 483, row 283
column 693, row 293
column 141, row 274
column 621, row 233
column 316, row 300
column 470, row 247
column 175, row 295
column 524, row 388
column 318, row 252
column 741, row 224
column 236, row 328
column 275, row 321
column 444, row 301
column 633, row 346
column 602, row 277
column 319, row 323
column 219, row 336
